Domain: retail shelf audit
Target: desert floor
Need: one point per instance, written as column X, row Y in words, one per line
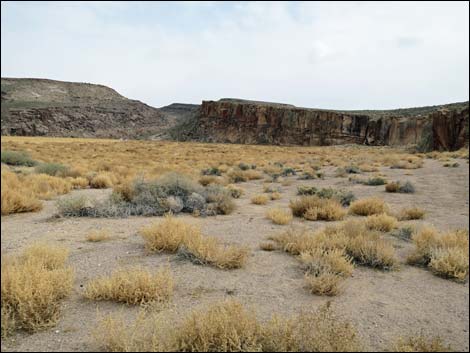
column 382, row 305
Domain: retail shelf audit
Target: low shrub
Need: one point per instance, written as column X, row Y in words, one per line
column 279, row 216
column 211, row 171
column 101, row 181
column 411, row 213
column 306, row 190
column 420, row 344
column 228, row 326
column 368, row 206
column 259, row 200
column 52, row 169
column 451, row 164
column 33, row 285
column 132, row 286
column 17, row 158
column 381, row 222
column 404, row 233
column 445, row 254
column 98, row 235
column 16, row 197
column 376, row 181
column 235, row 191
column 172, row 235
column 315, row 208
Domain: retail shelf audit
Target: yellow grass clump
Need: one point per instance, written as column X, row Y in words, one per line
column 279, row 216
column 275, row 196
column 421, row 344
column 172, row 235
column 78, row 182
column 15, row 197
column 368, row 206
column 208, row 250
column 132, row 286
column 228, row 326
column 411, row 213
column 32, row 287
column 445, row 254
column 98, row 235
column 381, row 222
column 259, row 200
column 101, row 181
column 314, row 208
column 167, row 235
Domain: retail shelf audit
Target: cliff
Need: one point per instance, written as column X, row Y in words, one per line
column 40, row 107
column 250, row 122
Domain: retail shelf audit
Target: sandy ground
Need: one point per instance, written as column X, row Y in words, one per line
column 382, row 305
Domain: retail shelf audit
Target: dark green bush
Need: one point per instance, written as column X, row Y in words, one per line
column 53, row 169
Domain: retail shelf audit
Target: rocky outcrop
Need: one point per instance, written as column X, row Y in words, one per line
column 248, row 122
column 36, row 107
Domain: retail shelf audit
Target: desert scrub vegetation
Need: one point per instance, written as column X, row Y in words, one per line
column 344, row 197
column 98, row 235
column 366, row 247
column 411, row 213
column 17, row 158
column 52, row 169
column 396, row 186
column 404, row 233
column 171, row 193
column 368, row 206
column 32, row 286
column 260, row 199
column 381, row 222
column 279, row 216
column 410, row 162
column 228, row 326
column 314, row 208
column 420, row 343
column 174, row 236
column 237, row 175
column 14, row 199
column 22, row 193
column 446, row 255
column 235, row 191
column 451, row 164
column 374, row 181
column 135, row 286
column 101, row 181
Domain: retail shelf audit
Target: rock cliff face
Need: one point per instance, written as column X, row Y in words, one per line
column 37, row 107
column 237, row 121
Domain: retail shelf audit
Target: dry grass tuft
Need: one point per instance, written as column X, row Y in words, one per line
column 101, row 181
column 98, row 235
column 368, row 206
column 275, row 196
column 167, row 235
column 279, row 216
column 172, row 235
column 421, row 344
column 260, row 199
column 412, row 213
column 315, row 208
column 326, row 283
column 445, row 254
column 132, row 286
column 381, row 222
column 15, row 197
column 208, row 251
column 268, row 246
column 228, row 326
column 32, row 286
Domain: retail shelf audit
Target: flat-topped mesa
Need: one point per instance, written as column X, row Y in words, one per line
column 251, row 122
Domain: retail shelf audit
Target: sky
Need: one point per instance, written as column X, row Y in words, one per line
column 351, row 55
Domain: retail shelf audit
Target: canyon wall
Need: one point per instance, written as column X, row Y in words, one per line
column 247, row 122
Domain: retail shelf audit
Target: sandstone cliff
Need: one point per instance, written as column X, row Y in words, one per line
column 249, row 122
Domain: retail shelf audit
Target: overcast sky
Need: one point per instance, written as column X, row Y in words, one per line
column 325, row 55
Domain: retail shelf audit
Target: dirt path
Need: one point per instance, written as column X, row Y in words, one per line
column 382, row 305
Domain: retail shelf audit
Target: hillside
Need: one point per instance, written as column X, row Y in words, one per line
column 40, row 107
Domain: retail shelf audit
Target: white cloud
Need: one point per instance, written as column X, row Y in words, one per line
column 329, row 55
